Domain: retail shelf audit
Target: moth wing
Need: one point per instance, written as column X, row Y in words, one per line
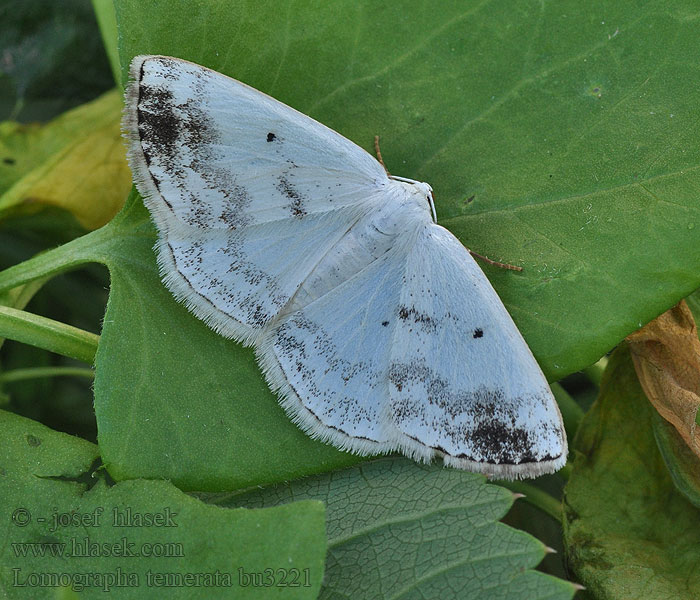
column 329, row 360
column 416, row 353
column 463, row 382
column 247, row 193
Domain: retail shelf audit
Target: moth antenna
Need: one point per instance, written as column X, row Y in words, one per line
column 379, row 154
column 495, row 263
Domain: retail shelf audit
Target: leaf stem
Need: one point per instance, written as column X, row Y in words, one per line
column 48, row 334
column 537, row 497
column 40, row 372
column 96, row 246
column 52, row 262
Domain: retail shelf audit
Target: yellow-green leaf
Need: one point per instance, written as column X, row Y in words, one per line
column 76, row 162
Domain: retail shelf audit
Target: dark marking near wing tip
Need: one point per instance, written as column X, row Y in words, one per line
column 478, row 333
column 9, row 161
column 196, row 123
column 484, row 420
column 157, row 121
column 385, row 323
column 164, row 126
column 271, row 137
column 503, row 444
column 468, row 200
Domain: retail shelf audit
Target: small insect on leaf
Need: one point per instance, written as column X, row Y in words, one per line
column 374, row 324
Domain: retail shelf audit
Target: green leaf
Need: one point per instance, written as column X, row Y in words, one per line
column 571, row 124
column 401, row 530
column 628, row 532
column 693, row 302
column 91, row 535
column 107, row 20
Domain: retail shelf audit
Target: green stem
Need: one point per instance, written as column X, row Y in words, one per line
column 537, row 497
column 48, row 334
column 40, row 372
column 52, row 262
column 96, row 246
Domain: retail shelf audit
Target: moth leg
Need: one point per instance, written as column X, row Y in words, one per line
column 495, row 263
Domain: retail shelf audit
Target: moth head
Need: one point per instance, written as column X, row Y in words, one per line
column 421, row 189
column 428, row 193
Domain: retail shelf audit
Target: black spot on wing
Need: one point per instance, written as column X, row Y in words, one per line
column 478, row 333
column 271, row 137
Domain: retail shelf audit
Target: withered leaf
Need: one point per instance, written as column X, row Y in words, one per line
column 666, row 355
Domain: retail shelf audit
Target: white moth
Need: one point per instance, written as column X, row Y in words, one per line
column 373, row 323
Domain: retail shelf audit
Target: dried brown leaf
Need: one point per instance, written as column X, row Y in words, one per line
column 666, row 355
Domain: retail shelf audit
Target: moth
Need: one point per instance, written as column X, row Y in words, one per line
column 373, row 323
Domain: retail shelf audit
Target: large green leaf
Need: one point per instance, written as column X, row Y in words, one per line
column 58, row 521
column 572, row 125
column 398, row 530
column 628, row 531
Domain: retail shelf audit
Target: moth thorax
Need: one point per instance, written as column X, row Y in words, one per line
column 420, row 193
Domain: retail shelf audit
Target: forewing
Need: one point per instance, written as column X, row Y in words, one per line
column 462, row 379
column 225, row 168
column 237, row 282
